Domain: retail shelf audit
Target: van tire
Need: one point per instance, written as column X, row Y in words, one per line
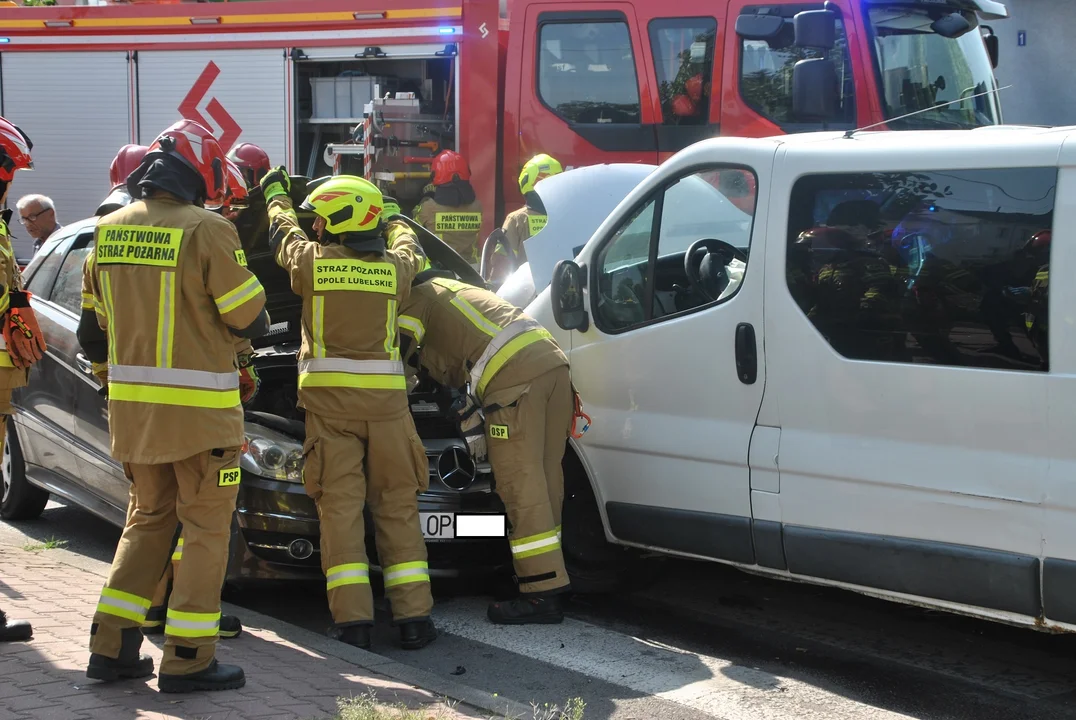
column 595, row 565
column 19, row 500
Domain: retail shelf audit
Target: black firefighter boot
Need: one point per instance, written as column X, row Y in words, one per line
column 14, row 630
column 417, row 634
column 527, row 610
column 354, row 634
column 216, row 676
column 129, row 665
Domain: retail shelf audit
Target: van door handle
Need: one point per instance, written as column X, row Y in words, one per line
column 83, row 363
column 746, row 354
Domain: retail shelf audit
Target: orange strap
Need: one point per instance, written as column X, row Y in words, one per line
column 578, row 414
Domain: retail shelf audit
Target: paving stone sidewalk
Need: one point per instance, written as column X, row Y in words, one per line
column 44, row 679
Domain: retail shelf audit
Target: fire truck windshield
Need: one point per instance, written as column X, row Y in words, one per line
column 918, row 68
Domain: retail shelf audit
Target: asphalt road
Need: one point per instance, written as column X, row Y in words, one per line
column 702, row 641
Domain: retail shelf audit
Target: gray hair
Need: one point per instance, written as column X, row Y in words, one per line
column 45, row 202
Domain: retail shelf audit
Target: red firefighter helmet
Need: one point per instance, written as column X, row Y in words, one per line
column 15, row 149
column 1041, row 239
column 126, row 161
column 449, row 166
column 252, row 161
column 195, row 146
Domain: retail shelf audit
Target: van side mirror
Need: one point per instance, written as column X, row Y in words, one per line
column 759, row 27
column 566, row 294
column 815, row 29
column 814, row 90
column 992, row 46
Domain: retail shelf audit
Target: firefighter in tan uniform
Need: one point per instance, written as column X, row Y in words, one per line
column 518, row 386
column 235, row 201
column 24, row 347
column 169, row 298
column 454, row 214
column 529, row 219
column 361, row 444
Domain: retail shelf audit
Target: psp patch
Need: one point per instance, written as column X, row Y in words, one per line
column 228, row 477
column 498, row 432
column 241, row 257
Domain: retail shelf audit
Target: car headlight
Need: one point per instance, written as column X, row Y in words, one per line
column 271, row 455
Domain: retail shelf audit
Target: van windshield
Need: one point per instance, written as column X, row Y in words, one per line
column 920, row 69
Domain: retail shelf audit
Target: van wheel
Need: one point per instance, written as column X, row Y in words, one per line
column 21, row 500
column 594, row 564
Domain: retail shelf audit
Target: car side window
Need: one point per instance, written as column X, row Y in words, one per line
column 938, row 268
column 641, row 273
column 41, row 283
column 766, row 76
column 586, row 72
column 67, row 292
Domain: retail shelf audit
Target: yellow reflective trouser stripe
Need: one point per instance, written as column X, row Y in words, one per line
column 178, row 554
column 392, row 347
column 347, row 574
column 166, row 320
column 414, row 326
column 349, row 380
column 110, row 315
column 410, row 572
column 5, row 361
column 505, row 354
column 318, row 325
column 477, row 319
column 191, row 625
column 532, row 545
column 231, row 300
column 123, row 604
column 184, row 397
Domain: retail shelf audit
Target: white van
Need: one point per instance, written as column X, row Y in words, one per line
column 855, row 374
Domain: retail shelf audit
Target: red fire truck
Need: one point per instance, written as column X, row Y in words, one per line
column 586, row 81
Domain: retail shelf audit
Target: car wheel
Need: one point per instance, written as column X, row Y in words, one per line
column 594, row 564
column 20, row 500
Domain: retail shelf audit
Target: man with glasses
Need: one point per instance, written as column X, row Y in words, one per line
column 37, row 213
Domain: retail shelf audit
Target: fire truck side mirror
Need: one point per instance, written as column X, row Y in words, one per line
column 816, row 29
column 759, row 27
column 991, row 42
column 814, row 90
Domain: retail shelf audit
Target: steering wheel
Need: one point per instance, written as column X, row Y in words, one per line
column 706, row 274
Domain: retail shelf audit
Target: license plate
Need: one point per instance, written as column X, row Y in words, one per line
column 452, row 526
column 438, row 526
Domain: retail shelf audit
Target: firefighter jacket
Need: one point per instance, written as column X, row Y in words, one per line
column 11, row 279
column 518, row 227
column 166, row 283
column 457, row 226
column 469, row 335
column 349, row 362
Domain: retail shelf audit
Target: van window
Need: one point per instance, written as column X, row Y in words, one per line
column 942, row 268
column 766, row 76
column 683, row 51
column 641, row 276
column 586, row 72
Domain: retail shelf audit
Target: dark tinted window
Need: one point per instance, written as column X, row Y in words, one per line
column 766, row 75
column 683, row 51
column 586, row 72
column 41, row 282
column 945, row 268
column 67, row 292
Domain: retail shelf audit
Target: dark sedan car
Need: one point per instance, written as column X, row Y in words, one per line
column 58, row 437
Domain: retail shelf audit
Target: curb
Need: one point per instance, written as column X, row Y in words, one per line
column 432, row 682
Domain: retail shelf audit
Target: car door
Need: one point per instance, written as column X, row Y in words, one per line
column 46, row 423
column 658, row 368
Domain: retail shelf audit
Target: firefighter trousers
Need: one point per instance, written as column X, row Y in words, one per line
column 200, row 493
column 347, row 465
column 156, row 616
column 526, row 438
